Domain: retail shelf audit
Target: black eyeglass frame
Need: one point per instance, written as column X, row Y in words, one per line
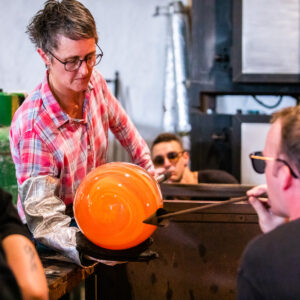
column 80, row 60
column 172, row 160
column 259, row 156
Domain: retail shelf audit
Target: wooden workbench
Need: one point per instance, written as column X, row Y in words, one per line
column 63, row 276
column 199, row 252
column 67, row 280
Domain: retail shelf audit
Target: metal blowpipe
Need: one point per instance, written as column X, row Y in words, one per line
column 159, row 218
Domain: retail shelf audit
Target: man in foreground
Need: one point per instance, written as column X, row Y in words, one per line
column 270, row 264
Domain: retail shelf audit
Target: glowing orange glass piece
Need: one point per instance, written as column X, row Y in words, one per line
column 111, row 203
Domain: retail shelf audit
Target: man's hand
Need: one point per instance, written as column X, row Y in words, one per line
column 267, row 220
column 159, row 171
column 163, row 176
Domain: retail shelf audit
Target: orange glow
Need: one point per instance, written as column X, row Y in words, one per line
column 111, row 203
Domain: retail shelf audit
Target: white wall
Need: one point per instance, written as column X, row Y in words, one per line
column 133, row 42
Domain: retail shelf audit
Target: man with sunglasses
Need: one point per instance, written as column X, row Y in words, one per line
column 60, row 132
column 270, row 264
column 169, row 157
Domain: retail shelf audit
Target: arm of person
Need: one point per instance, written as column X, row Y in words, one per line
column 126, row 133
column 46, row 216
column 39, row 185
column 20, row 253
column 267, row 220
column 45, row 212
column 24, row 262
column 50, row 225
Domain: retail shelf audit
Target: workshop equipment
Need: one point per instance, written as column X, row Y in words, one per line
column 8, row 179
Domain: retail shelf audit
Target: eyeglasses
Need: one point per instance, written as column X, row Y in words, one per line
column 173, row 157
column 75, row 63
column 259, row 162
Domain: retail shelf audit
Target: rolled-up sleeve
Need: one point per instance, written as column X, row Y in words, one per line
column 126, row 133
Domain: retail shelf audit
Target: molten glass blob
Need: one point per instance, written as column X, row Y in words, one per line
column 111, row 203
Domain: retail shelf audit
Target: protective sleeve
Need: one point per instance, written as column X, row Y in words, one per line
column 46, row 216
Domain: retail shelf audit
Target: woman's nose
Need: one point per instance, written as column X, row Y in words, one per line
column 84, row 69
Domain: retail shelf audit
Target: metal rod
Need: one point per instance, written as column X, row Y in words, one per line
column 186, row 211
column 163, row 177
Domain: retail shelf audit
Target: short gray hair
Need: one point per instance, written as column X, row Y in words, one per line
column 69, row 18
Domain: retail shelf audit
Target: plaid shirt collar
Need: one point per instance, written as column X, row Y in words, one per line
column 53, row 108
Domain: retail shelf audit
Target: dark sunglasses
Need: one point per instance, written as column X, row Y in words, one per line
column 173, row 157
column 259, row 162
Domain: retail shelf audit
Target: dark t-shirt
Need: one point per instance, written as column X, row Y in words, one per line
column 270, row 267
column 10, row 223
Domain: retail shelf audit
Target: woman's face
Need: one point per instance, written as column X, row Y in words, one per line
column 75, row 81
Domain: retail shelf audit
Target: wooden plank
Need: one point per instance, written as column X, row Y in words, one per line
column 62, row 275
column 204, row 190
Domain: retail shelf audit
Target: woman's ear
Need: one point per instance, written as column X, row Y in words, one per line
column 44, row 57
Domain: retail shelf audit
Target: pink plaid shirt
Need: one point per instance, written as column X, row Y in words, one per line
column 44, row 140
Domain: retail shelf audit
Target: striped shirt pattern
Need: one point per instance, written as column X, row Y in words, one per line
column 44, row 140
